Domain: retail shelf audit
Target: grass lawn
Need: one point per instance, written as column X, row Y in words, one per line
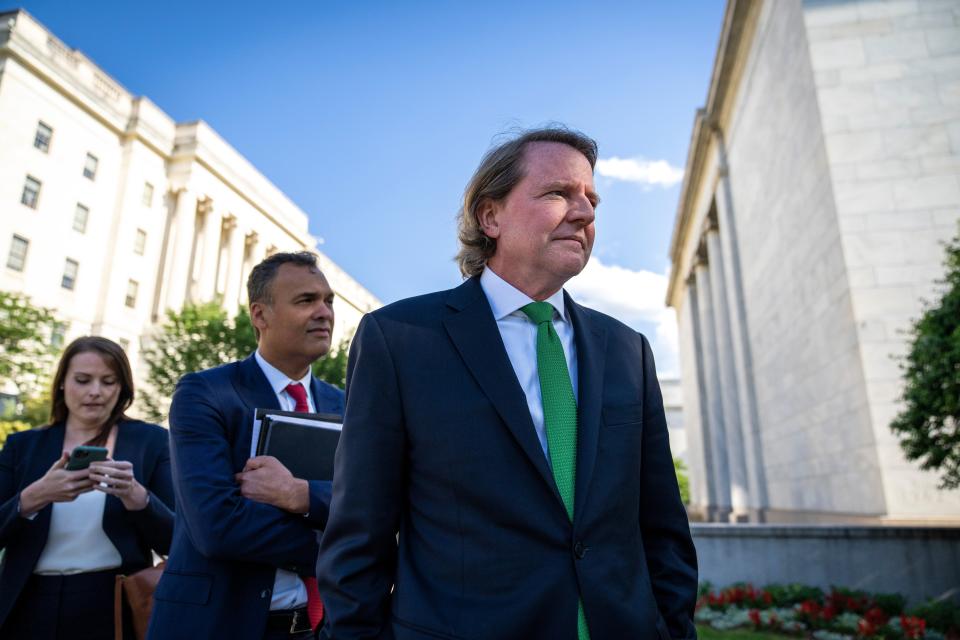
column 708, row 633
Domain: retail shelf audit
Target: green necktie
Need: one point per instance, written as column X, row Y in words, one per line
column 559, row 414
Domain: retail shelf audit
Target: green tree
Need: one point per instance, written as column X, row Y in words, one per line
column 332, row 368
column 929, row 425
column 199, row 336
column 26, row 350
column 27, row 357
column 202, row 336
column 682, row 479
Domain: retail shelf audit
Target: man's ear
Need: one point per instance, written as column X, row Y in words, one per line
column 257, row 310
column 487, row 218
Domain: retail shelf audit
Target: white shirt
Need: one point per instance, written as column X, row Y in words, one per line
column 289, row 591
column 519, row 334
column 76, row 542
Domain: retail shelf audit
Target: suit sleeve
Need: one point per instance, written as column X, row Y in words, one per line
column 667, row 544
column 320, row 492
column 221, row 523
column 10, row 520
column 358, row 552
column 154, row 523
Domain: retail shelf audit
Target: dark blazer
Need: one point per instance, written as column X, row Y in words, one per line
column 438, row 444
column 27, row 456
column 226, row 549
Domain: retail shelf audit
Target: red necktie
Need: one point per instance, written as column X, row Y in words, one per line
column 314, row 604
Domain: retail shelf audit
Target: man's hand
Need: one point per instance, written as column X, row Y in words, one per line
column 266, row 480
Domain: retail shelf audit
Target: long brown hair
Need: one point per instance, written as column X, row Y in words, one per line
column 116, row 359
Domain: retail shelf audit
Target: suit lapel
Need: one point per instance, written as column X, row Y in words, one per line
column 474, row 333
column 591, row 342
column 255, row 392
column 49, row 449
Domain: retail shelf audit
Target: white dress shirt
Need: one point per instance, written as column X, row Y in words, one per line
column 289, row 591
column 76, row 542
column 519, row 334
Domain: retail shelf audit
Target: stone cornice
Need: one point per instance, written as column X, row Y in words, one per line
column 739, row 22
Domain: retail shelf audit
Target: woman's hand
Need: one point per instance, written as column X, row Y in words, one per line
column 56, row 485
column 115, row 477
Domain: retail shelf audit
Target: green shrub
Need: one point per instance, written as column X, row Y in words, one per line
column 943, row 615
column 8, row 427
column 786, row 595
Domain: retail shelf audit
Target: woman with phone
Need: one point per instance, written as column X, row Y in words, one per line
column 82, row 499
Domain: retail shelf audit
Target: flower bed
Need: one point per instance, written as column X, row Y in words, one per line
column 841, row 614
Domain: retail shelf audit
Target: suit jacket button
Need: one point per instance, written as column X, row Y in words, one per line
column 265, row 593
column 579, row 550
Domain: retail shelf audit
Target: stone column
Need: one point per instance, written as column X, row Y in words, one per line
column 728, row 386
column 742, row 356
column 167, row 255
column 185, row 220
column 205, row 274
column 250, row 242
column 235, row 256
column 719, row 510
column 694, row 407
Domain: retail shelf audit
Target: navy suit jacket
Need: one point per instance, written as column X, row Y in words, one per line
column 438, row 445
column 226, row 548
column 27, row 456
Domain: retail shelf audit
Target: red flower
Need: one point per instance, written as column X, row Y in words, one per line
column 754, row 617
column 876, row 617
column 865, row 629
column 913, row 627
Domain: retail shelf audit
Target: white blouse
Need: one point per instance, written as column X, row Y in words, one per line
column 76, row 542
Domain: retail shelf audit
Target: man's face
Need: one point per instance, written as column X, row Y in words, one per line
column 295, row 328
column 544, row 227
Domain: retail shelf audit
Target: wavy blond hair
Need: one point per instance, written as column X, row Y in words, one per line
column 499, row 172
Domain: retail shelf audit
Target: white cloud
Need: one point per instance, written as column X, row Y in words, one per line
column 636, row 298
column 649, row 173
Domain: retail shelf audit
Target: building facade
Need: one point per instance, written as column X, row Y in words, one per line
column 112, row 213
column 822, row 177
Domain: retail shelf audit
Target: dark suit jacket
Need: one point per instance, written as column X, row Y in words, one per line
column 438, row 444
column 27, row 456
column 226, row 549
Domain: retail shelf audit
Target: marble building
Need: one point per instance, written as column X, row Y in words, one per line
column 112, row 213
column 823, row 175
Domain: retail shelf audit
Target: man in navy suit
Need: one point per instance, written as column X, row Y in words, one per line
column 513, row 440
column 241, row 564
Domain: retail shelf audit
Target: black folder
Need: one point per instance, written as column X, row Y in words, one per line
column 304, row 442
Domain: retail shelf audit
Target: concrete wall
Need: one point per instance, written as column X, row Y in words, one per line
column 815, row 431
column 887, row 76
column 919, row 563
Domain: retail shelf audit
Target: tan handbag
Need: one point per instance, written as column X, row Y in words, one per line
column 137, row 589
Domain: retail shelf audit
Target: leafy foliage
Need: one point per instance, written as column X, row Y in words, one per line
column 198, row 337
column 929, row 425
column 202, row 336
column 26, row 350
column 682, row 479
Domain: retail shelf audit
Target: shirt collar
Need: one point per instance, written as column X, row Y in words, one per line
column 505, row 299
column 278, row 379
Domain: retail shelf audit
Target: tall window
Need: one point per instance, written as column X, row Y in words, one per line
column 57, row 334
column 17, row 258
column 132, row 287
column 31, row 192
column 42, row 138
column 147, row 198
column 90, row 166
column 80, row 216
column 69, row 279
column 140, row 242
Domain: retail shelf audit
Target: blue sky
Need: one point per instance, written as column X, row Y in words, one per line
column 371, row 116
